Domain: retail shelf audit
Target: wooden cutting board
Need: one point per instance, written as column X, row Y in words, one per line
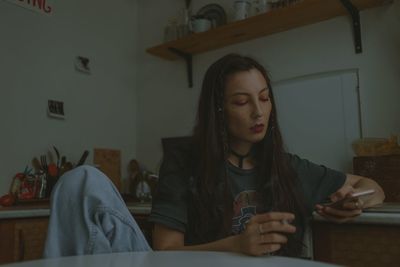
column 109, row 162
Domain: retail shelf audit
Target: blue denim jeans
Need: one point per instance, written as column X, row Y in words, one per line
column 88, row 216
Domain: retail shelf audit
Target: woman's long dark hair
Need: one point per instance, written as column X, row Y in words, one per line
column 276, row 178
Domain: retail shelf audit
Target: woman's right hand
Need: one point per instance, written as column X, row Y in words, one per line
column 265, row 233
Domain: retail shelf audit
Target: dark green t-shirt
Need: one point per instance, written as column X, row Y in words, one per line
column 246, row 199
column 171, row 204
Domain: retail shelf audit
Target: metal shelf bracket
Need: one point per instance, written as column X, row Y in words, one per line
column 355, row 16
column 189, row 63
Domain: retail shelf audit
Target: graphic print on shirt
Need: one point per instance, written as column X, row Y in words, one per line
column 244, row 207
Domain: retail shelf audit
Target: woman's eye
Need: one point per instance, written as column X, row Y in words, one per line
column 264, row 99
column 240, row 103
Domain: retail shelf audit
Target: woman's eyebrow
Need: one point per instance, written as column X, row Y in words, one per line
column 245, row 94
column 239, row 93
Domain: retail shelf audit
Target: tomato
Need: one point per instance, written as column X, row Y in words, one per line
column 52, row 169
column 7, row 200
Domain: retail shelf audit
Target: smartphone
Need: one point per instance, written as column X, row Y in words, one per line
column 352, row 197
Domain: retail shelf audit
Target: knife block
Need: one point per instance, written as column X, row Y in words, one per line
column 109, row 162
column 385, row 170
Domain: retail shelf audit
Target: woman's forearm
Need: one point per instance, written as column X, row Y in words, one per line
column 264, row 233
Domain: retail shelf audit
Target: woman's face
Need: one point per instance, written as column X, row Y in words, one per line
column 247, row 106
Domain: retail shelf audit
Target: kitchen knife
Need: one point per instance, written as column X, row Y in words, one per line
column 83, row 158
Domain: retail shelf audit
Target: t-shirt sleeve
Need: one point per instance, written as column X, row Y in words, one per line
column 169, row 206
column 318, row 182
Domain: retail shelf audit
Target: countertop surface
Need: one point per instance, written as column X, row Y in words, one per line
column 387, row 213
column 43, row 210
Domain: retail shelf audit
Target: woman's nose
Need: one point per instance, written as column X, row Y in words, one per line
column 257, row 111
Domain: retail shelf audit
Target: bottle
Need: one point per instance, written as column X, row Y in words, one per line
column 143, row 190
column 41, row 193
column 184, row 23
column 171, row 30
column 15, row 186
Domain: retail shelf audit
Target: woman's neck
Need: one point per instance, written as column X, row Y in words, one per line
column 241, row 148
column 247, row 163
column 240, row 155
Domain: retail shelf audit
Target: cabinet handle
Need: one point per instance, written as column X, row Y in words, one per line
column 21, row 255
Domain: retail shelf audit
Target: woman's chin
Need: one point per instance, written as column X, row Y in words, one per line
column 257, row 138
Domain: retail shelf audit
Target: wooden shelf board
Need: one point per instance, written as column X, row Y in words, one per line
column 278, row 20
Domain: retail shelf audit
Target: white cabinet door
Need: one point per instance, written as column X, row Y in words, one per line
column 319, row 117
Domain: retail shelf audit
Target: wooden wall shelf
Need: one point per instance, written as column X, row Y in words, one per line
column 303, row 13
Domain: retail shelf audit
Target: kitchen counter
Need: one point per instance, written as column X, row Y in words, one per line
column 371, row 239
column 43, row 210
column 23, row 228
column 387, row 213
column 378, row 226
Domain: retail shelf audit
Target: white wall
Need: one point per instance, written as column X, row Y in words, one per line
column 167, row 106
column 37, row 63
column 130, row 88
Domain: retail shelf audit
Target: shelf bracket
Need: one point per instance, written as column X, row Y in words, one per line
column 189, row 65
column 355, row 17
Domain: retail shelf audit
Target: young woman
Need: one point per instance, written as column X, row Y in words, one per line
column 233, row 187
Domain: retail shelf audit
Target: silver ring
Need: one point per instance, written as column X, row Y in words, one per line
column 260, row 230
column 357, row 205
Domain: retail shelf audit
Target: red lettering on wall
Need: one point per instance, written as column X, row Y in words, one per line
column 46, row 9
column 38, row 2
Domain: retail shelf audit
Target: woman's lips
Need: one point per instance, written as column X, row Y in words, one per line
column 258, row 128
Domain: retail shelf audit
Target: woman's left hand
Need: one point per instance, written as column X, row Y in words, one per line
column 345, row 212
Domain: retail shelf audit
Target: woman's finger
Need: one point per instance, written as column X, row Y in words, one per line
column 342, row 193
column 273, row 238
column 272, row 216
column 336, row 218
column 354, row 205
column 341, row 212
column 269, row 248
column 277, row 226
column 333, row 218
